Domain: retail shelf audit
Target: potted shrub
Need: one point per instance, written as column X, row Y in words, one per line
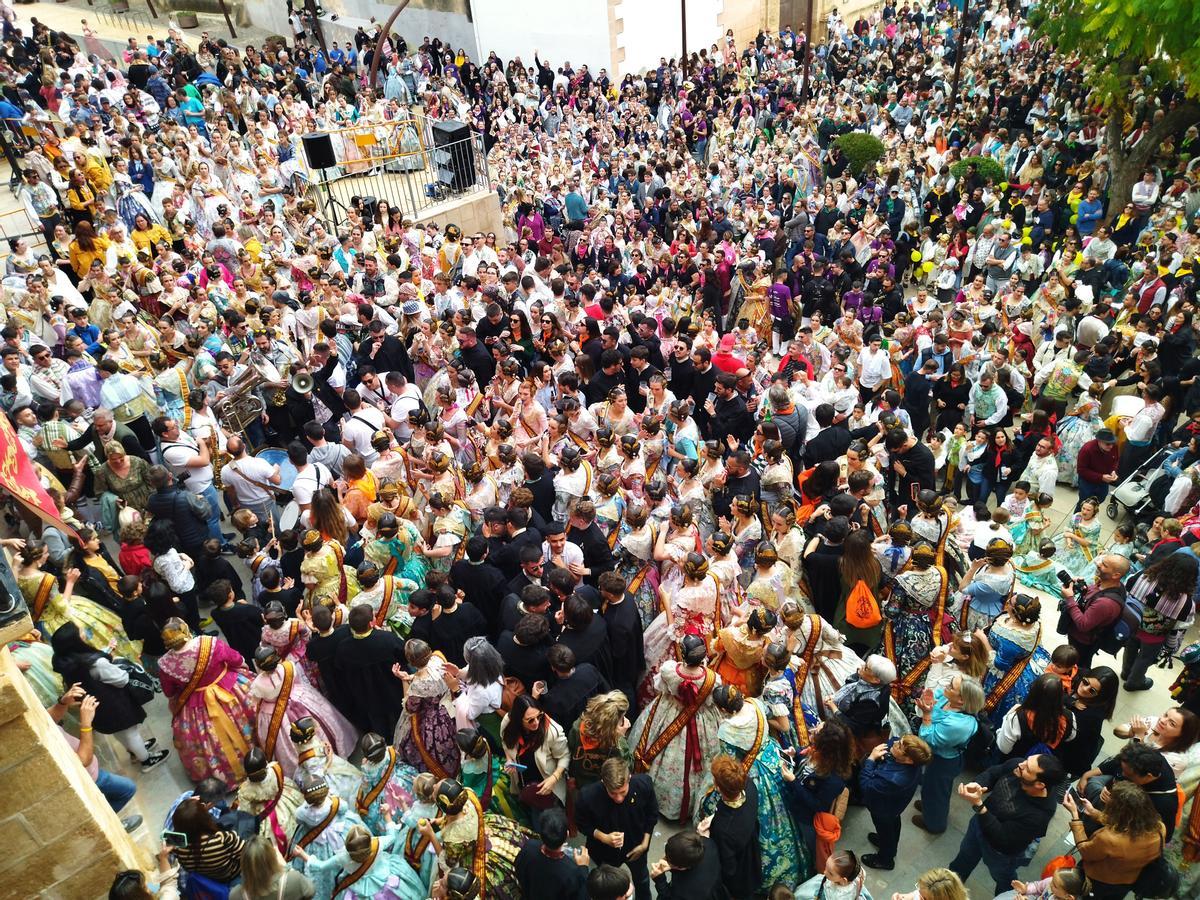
column 988, row 168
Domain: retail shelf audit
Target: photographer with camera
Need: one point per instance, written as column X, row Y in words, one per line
column 1092, row 611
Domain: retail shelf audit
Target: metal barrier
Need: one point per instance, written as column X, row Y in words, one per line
column 126, row 19
column 398, row 165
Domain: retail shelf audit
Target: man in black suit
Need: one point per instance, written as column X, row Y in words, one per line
column 730, row 415
column 583, row 531
column 625, row 639
column 322, row 650
column 740, row 479
column 637, row 378
column 520, row 533
column 617, row 815
column 704, row 379
column 482, row 584
column 644, row 336
column 611, row 375
column 531, row 570
column 831, row 441
column 540, row 483
column 476, row 357
column 500, row 552
column 689, row 870
column 374, row 697
column 683, row 371
column 385, row 352
column 912, row 469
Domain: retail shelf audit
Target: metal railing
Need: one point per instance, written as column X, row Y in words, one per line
column 373, row 168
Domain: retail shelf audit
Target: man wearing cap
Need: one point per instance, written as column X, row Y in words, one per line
column 892, row 209
column 1097, row 466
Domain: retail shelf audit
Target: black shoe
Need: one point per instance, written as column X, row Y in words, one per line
column 873, row 838
column 1144, row 685
column 151, row 743
column 155, row 759
column 228, row 549
column 918, row 806
column 872, row 861
column 132, row 823
column 919, row 821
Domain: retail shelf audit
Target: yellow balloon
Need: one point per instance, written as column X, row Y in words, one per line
column 927, row 267
column 916, row 256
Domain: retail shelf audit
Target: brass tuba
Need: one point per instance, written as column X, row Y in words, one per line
column 241, row 404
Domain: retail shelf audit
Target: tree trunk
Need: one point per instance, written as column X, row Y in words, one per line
column 1127, row 164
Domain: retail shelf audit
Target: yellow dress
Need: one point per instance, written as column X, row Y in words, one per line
column 100, row 627
column 323, row 572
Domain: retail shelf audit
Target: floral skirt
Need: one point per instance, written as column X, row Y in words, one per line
column 213, row 731
column 435, row 729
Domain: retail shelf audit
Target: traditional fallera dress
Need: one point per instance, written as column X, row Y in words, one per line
column 675, row 736
column 1027, row 533
column 398, row 555
column 488, row 779
column 283, row 696
column 321, row 833
column 635, row 563
column 290, row 642
column 1072, row 558
column 38, row 657
column 325, row 574
column 739, row 658
column 745, row 736
column 386, row 785
column 212, row 714
column 693, row 611
column 1035, row 571
column 1073, row 432
column 425, row 735
column 274, row 801
column 316, row 757
column 383, row 873
column 1018, row 659
column 486, row 844
column 913, row 617
column 100, row 628
column 980, row 602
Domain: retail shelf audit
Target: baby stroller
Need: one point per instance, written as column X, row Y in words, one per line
column 1134, row 493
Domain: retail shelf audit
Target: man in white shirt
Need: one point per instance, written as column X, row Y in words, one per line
column 1145, row 194
column 1042, row 471
column 310, row 476
column 48, row 380
column 1139, row 432
column 557, row 551
column 190, row 462
column 250, row 480
column 361, row 426
column 406, row 397
column 874, row 367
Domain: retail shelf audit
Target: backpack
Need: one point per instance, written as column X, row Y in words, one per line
column 1116, row 635
column 862, row 610
column 981, row 742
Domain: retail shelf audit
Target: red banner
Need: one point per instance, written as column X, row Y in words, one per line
column 19, row 477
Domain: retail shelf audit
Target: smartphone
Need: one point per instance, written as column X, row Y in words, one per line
column 175, row 839
column 515, row 765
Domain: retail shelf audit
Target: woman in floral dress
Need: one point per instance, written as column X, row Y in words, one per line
column 986, row 588
column 689, row 609
column 674, row 543
column 724, row 566
column 677, row 733
column 635, row 560
column 746, row 529
column 917, row 601
column 1076, row 430
column 212, row 714
column 1018, row 656
column 371, row 867
column 425, row 736
column 1079, row 541
column 50, row 608
column 691, row 490
column 386, row 790
column 484, row 843
column 744, row 734
column 35, row 660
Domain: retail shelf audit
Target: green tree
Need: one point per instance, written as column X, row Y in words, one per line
column 860, row 149
column 1133, row 51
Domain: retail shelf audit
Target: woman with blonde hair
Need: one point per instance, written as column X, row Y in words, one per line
column 936, row 884
column 265, row 876
column 599, row 734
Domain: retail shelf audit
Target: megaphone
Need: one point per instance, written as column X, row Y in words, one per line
column 302, row 383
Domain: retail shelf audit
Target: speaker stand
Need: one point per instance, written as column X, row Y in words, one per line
column 335, row 210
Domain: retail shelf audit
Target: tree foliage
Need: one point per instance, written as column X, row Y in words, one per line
column 860, row 149
column 987, row 168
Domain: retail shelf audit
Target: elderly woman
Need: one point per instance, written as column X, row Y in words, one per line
column 122, row 483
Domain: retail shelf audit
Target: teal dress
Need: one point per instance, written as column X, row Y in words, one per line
column 1073, row 558
column 389, row 875
column 785, row 858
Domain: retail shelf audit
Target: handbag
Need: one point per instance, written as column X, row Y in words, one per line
column 142, row 686
column 1158, row 880
column 533, row 800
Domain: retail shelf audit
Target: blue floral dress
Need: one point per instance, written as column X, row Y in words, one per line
column 1075, row 431
column 1012, row 647
column 785, row 859
column 1073, row 558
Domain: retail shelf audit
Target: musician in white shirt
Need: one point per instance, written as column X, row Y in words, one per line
column 361, row 426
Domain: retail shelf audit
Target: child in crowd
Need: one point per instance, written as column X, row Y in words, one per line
column 248, row 525
column 1036, row 569
column 1018, row 502
column 996, row 526
column 893, row 551
column 1064, row 662
column 134, row 557
column 954, row 444
column 212, row 567
column 1027, row 530
column 239, row 621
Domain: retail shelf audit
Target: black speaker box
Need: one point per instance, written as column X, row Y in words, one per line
column 318, row 150
column 455, row 154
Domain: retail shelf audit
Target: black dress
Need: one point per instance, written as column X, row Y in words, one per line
column 117, row 710
column 951, row 395
column 735, row 834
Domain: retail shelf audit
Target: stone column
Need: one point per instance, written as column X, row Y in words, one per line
column 60, row 838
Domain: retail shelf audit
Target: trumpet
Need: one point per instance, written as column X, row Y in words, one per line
column 302, row 383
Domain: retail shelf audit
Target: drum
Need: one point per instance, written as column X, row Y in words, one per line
column 287, row 472
column 289, row 518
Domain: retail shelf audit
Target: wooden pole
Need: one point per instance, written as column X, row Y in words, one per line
column 959, row 53
column 228, row 21
column 808, row 43
column 378, row 54
column 311, row 6
column 683, row 34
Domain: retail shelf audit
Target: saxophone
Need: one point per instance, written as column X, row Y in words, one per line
column 219, row 459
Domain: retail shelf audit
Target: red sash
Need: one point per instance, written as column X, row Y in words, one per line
column 693, row 753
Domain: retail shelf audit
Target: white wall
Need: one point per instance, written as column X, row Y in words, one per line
column 651, row 30
column 564, row 30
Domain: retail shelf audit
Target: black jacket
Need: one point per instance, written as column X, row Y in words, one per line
column 187, row 511
column 635, row 817
column 597, row 555
column 732, row 417
column 392, row 356
column 701, row 882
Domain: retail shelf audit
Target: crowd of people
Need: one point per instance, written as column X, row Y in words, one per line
column 717, row 487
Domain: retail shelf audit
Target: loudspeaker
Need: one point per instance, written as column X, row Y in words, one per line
column 454, row 154
column 318, row 150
